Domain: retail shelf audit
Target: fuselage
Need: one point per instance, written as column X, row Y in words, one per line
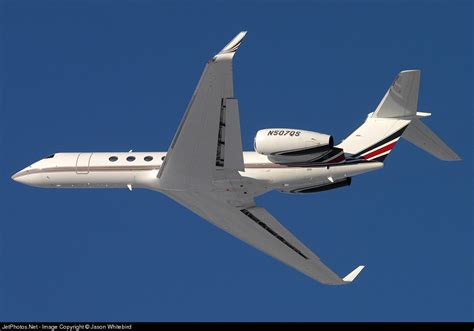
column 140, row 170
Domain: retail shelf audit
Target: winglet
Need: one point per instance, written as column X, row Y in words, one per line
column 234, row 44
column 353, row 274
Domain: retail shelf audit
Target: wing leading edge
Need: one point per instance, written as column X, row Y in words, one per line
column 258, row 228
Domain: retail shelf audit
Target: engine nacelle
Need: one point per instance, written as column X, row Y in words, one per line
column 292, row 145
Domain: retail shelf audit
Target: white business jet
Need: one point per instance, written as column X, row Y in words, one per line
column 206, row 171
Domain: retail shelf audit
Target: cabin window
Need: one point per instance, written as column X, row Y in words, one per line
column 163, row 157
column 131, row 158
column 113, row 158
column 148, row 158
column 49, row 156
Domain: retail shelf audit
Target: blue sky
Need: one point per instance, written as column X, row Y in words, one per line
column 117, row 75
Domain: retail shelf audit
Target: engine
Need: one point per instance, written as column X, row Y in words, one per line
column 292, row 145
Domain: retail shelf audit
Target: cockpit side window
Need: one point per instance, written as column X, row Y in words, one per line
column 49, row 156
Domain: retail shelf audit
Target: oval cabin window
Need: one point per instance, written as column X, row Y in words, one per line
column 148, row 158
column 113, row 158
column 131, row 158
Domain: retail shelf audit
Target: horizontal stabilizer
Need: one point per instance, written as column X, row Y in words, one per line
column 354, row 273
column 420, row 135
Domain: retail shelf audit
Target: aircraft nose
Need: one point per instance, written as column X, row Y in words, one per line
column 21, row 176
column 16, row 176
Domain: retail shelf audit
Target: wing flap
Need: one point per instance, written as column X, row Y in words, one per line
column 233, row 156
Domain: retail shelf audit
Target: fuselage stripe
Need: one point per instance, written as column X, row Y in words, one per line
column 384, row 141
column 262, row 165
column 385, row 148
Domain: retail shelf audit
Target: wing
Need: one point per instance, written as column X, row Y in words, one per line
column 258, row 228
column 208, row 138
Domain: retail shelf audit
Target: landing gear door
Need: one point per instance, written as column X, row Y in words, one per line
column 82, row 163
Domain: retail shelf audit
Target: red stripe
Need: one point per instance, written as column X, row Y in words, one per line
column 340, row 158
column 336, row 158
column 379, row 151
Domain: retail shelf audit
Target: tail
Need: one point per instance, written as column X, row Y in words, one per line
column 396, row 116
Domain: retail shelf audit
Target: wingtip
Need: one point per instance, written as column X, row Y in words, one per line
column 410, row 70
column 353, row 274
column 234, row 44
column 453, row 157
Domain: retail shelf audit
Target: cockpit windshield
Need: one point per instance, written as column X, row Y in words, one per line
column 49, row 156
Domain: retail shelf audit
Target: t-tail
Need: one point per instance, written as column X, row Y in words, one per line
column 396, row 116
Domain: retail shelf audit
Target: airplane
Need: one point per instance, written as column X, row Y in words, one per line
column 206, row 171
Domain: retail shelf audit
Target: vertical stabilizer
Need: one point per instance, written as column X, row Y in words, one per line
column 382, row 129
column 396, row 115
column 401, row 99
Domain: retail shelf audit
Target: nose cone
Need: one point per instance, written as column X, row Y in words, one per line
column 21, row 176
column 16, row 177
